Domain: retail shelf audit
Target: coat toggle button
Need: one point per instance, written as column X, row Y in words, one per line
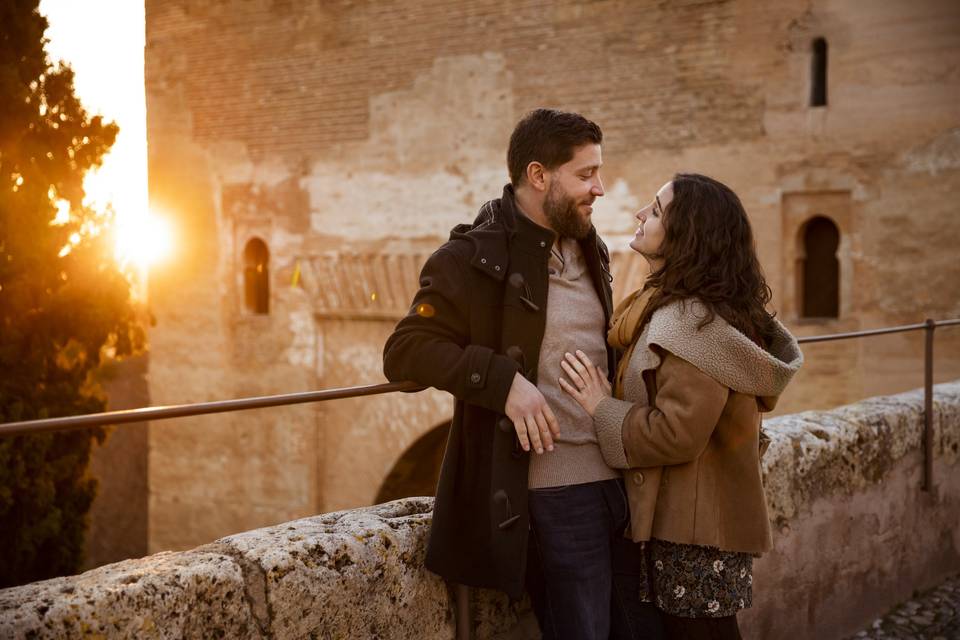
column 501, row 500
column 530, row 304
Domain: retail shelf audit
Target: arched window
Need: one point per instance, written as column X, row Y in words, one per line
column 256, row 276
column 818, row 73
column 820, row 269
column 418, row 469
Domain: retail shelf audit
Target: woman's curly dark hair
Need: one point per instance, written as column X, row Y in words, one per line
column 709, row 254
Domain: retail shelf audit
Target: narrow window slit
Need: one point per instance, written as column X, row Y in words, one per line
column 256, row 277
column 818, row 73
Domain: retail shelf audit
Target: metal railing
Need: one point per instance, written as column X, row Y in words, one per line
column 197, row 409
column 462, row 593
column 153, row 414
column 927, row 326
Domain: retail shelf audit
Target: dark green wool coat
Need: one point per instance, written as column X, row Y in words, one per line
column 477, row 319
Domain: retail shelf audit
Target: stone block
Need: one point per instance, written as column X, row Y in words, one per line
column 193, row 594
column 345, row 574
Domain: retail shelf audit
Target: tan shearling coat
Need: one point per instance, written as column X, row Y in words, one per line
column 687, row 431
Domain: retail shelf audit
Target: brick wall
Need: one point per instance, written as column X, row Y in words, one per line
column 296, row 78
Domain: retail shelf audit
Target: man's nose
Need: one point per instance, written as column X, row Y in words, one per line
column 597, row 189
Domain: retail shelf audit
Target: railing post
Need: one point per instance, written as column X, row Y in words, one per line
column 463, row 612
column 928, row 406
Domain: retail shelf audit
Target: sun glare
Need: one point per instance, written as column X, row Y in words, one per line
column 143, row 240
column 63, row 213
column 107, row 59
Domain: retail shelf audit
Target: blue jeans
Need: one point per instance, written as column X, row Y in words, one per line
column 591, row 573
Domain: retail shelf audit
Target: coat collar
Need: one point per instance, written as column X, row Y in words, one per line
column 498, row 225
column 723, row 353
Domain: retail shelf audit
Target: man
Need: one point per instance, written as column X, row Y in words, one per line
column 522, row 463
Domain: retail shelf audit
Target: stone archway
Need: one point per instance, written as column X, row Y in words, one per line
column 415, row 472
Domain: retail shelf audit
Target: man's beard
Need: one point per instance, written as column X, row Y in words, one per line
column 560, row 210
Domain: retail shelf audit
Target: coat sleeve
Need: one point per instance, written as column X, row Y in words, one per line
column 432, row 344
column 674, row 429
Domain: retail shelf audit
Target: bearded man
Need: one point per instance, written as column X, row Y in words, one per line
column 525, row 497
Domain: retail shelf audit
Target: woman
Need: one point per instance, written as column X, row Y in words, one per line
column 702, row 358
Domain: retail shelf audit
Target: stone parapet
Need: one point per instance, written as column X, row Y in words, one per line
column 818, row 454
column 348, row 574
column 853, row 532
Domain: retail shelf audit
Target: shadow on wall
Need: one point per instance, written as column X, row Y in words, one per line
column 417, row 470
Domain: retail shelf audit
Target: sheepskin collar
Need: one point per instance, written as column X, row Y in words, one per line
column 720, row 350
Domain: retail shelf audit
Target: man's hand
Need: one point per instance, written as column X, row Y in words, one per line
column 532, row 418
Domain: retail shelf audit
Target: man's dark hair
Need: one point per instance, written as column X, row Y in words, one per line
column 549, row 137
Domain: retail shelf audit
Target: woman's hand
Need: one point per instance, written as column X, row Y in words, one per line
column 589, row 386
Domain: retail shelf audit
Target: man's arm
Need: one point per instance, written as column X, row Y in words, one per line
column 431, row 346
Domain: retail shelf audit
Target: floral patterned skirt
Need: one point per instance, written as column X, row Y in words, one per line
column 690, row 581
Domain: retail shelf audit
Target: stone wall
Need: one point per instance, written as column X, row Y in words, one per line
column 854, row 535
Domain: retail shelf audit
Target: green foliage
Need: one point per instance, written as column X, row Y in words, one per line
column 61, row 311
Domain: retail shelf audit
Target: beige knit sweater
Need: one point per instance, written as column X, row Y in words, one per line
column 574, row 321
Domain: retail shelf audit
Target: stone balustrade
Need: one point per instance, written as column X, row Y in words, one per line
column 853, row 535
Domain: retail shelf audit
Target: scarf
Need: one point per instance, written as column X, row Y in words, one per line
column 624, row 329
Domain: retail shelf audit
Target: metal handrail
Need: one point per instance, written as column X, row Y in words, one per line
column 879, row 332
column 928, row 327
column 145, row 414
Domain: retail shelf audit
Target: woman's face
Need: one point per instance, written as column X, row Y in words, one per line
column 649, row 237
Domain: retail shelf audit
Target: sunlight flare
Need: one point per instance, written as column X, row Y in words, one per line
column 63, row 213
column 143, row 240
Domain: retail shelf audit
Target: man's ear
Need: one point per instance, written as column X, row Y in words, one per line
column 536, row 176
